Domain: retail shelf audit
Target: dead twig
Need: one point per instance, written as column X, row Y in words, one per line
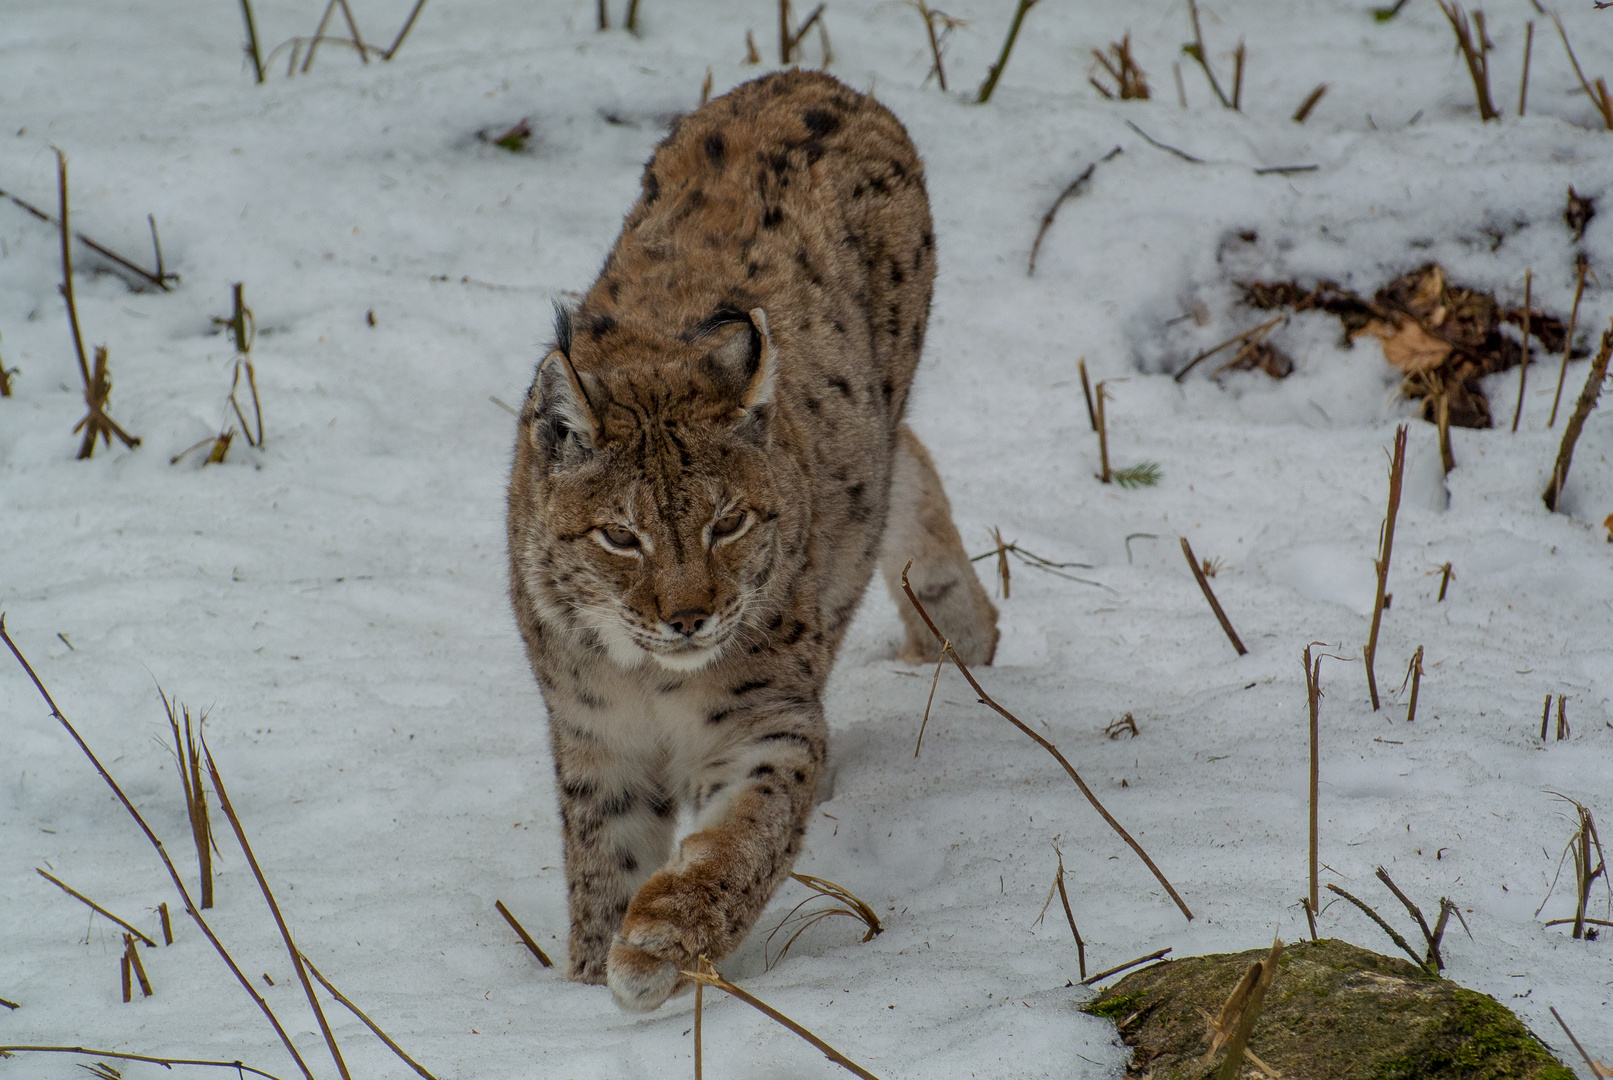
column 187, row 754
column 159, row 279
column 937, row 41
column 1576, row 422
column 790, row 39
column 1302, row 113
column 1151, row 141
column 252, row 50
column 1195, row 49
column 1476, row 53
column 1130, row 82
column 131, row 952
column 1596, row 1067
column 1008, row 46
column 1581, row 265
column 708, row 976
column 1523, row 363
column 1375, row 917
column 847, row 904
column 946, row 647
column 526, row 938
column 1086, row 391
column 1243, row 335
column 371, row 1024
column 1599, row 95
column 1064, row 898
column 1528, row 51
column 986, row 700
column 162, row 853
column 93, row 906
column 403, row 31
column 1074, row 188
column 163, row 1061
column 1414, row 675
column 1386, row 543
column 1118, row 968
column 1209, row 594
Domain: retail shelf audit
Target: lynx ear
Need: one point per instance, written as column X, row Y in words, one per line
column 745, row 364
column 563, row 414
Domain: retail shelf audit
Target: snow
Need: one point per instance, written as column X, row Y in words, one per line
column 336, row 600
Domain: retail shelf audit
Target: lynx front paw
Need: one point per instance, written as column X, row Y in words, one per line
column 641, row 980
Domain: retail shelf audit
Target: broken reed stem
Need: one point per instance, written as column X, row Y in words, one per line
column 1545, row 718
column 159, row 279
column 1232, row 1064
column 1237, row 77
column 1595, row 1070
column 163, row 1061
column 1523, row 365
column 1478, row 66
column 1445, row 576
column 188, row 755
column 252, row 50
column 699, row 1010
column 1562, row 717
column 1422, row 923
column 946, row 647
column 1215, row 605
column 1568, row 342
column 1101, row 395
column 1086, row 391
column 1002, row 561
column 712, row 978
column 1196, row 51
column 1118, row 968
column 1305, row 107
column 1375, row 917
column 274, row 908
column 1442, row 422
column 167, row 927
column 403, row 32
column 97, row 908
column 630, row 24
column 1233, row 340
column 1386, row 543
column 1008, row 46
column 526, row 938
column 371, row 1024
column 1528, row 51
column 853, row 906
column 162, row 853
column 1599, row 95
column 131, row 952
column 67, row 269
column 126, row 968
column 1415, row 673
column 1548, row 922
column 1313, row 694
column 1576, row 422
column 1064, row 898
column 986, row 700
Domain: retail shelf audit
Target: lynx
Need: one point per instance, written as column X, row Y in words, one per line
column 707, row 463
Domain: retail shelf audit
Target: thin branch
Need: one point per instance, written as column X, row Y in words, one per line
column 1397, row 472
column 1215, row 605
column 1375, row 917
column 1008, row 46
column 76, row 895
column 1183, row 154
column 986, row 700
column 526, row 938
column 162, row 853
column 1100, row 976
column 1074, row 188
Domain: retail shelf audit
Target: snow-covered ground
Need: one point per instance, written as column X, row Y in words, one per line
column 337, row 599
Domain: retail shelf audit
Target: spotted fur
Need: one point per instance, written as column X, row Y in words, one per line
column 702, row 479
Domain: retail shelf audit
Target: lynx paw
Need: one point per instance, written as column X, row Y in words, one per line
column 641, row 980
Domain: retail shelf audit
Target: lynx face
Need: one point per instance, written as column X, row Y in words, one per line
column 659, row 493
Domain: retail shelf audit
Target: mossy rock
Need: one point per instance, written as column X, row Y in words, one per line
column 1335, row 1012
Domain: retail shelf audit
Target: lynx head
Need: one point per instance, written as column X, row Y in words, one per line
column 657, row 520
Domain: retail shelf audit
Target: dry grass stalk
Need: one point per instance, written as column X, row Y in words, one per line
column 1008, row 46
column 604, row 15
column 132, row 952
column 847, row 903
column 244, row 326
column 699, row 1013
column 252, row 51
column 1528, row 51
column 1545, row 719
column 753, row 55
column 946, row 647
column 1100, row 396
column 1445, row 576
column 93, row 906
column 12, row 1005
column 1127, row 724
column 937, row 40
column 790, row 39
column 1581, row 265
column 1064, row 898
column 1304, row 111
column 1131, row 84
column 1232, row 1027
column 708, row 976
column 1597, row 1068
column 1416, row 912
column 123, row 964
column 5, row 378
column 1394, row 935
column 1238, row 56
column 1002, row 560
column 1414, row 675
column 167, row 927
column 630, row 24
column 160, row 279
column 1047, row 566
column 352, row 28
column 6, row 1051
column 526, row 938
column 1195, row 49
column 1475, row 52
column 1523, row 364
column 1215, row 605
column 1598, row 94
column 403, row 31
column 1313, row 695
column 987, row 700
column 1386, row 544
column 1075, row 187
column 1242, row 336
column 1181, row 90
column 1086, row 391
column 1576, row 422
column 97, row 386
column 705, row 87
column 188, row 753
column 274, row 909
column 1442, row 423
column 371, row 1024
column 1580, row 845
column 162, row 853
column 1157, row 954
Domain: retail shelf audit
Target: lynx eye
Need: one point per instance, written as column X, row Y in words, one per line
column 727, row 525
column 619, row 537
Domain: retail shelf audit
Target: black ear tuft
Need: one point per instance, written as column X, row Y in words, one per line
column 562, row 328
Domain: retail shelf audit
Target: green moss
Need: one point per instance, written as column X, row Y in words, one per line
column 1115, row 1009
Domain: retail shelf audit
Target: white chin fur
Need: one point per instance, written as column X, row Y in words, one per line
column 621, row 649
column 693, row 660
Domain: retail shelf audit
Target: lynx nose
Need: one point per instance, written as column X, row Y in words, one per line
column 688, row 621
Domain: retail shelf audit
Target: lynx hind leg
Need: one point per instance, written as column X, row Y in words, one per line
column 920, row 529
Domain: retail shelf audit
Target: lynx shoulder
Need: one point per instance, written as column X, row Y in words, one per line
column 705, row 466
